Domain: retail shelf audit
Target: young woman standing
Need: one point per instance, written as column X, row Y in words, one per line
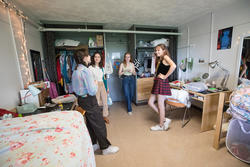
column 97, row 71
column 161, row 88
column 85, row 88
column 126, row 71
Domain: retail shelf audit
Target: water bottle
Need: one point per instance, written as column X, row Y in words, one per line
column 60, row 107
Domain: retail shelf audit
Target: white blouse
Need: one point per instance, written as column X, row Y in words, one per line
column 97, row 73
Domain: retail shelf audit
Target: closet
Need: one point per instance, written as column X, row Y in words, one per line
column 60, row 58
column 141, row 48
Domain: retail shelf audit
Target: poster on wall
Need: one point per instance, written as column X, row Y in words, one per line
column 224, row 38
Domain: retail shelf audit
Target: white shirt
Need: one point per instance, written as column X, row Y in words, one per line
column 96, row 72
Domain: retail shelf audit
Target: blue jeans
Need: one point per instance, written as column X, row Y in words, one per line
column 128, row 85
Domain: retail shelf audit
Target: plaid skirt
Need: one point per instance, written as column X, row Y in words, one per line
column 161, row 87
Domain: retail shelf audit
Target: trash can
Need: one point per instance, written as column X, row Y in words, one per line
column 238, row 139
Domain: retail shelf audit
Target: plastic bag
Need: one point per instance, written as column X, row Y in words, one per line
column 196, row 86
column 160, row 41
column 26, row 108
column 108, row 69
column 109, row 100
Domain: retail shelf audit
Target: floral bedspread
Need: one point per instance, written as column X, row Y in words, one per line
column 50, row 139
column 241, row 97
column 240, row 103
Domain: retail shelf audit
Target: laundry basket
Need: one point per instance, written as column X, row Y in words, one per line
column 238, row 139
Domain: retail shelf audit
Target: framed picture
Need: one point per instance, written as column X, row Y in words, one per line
column 224, row 38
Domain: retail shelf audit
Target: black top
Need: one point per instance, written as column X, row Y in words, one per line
column 163, row 69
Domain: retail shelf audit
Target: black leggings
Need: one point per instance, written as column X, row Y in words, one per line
column 95, row 122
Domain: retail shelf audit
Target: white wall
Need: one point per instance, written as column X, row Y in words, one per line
column 203, row 41
column 11, row 82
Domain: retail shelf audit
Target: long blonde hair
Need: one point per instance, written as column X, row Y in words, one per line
column 165, row 52
column 124, row 59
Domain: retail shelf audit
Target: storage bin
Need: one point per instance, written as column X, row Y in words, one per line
column 238, row 139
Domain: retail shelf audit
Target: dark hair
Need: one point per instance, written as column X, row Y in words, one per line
column 124, row 58
column 79, row 55
column 93, row 60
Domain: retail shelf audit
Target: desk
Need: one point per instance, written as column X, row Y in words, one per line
column 209, row 108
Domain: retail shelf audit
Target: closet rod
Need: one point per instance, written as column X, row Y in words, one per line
column 108, row 31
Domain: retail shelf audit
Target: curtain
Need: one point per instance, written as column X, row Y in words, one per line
column 17, row 27
column 50, row 56
column 173, row 53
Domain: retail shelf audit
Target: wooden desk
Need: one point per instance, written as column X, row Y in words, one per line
column 143, row 89
column 209, row 108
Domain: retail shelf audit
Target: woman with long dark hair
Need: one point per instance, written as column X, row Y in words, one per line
column 127, row 70
column 85, row 88
column 161, row 88
column 97, row 71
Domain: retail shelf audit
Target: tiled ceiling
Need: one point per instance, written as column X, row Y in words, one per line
column 119, row 13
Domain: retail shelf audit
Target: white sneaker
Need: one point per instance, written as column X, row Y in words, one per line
column 96, row 147
column 166, row 123
column 130, row 113
column 157, row 128
column 110, row 150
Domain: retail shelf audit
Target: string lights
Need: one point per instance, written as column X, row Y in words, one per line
column 17, row 25
column 13, row 7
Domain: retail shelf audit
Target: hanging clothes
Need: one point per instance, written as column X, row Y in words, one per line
column 67, row 66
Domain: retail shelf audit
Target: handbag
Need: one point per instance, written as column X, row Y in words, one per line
column 109, row 100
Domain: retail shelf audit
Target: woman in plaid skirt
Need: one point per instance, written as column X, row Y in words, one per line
column 161, row 87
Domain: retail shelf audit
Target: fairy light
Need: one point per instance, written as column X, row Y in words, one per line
column 19, row 35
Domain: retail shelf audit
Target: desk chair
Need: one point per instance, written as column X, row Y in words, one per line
column 174, row 105
column 76, row 107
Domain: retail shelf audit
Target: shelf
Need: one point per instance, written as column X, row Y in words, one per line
column 72, row 48
column 145, row 47
column 96, row 48
column 195, row 98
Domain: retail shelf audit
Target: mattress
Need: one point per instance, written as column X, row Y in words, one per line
column 51, row 139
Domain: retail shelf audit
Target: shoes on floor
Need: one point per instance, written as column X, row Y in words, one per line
column 130, row 113
column 106, row 120
column 158, row 128
column 161, row 128
column 167, row 123
column 96, row 147
column 110, row 150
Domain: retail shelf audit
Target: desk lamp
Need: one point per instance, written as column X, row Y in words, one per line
column 226, row 73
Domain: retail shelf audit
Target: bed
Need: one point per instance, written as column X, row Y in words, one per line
column 49, row 139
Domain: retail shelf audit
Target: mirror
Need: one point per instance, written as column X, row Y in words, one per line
column 244, row 71
column 37, row 65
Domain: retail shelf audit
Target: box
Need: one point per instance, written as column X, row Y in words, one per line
column 27, row 97
column 38, row 100
column 99, row 40
column 43, row 95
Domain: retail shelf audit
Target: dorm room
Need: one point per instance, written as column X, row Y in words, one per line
column 190, row 56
